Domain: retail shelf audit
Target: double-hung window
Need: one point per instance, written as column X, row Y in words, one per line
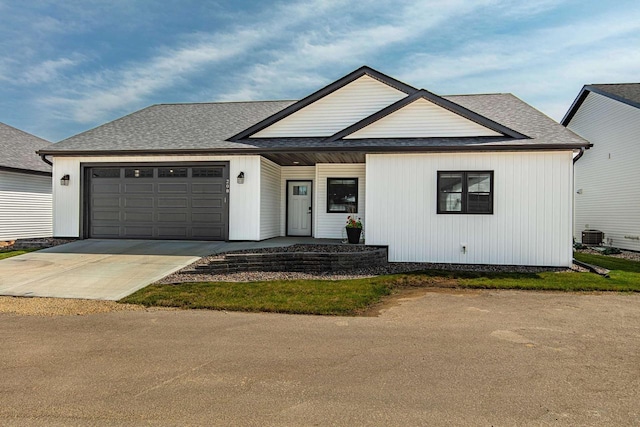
column 465, row 192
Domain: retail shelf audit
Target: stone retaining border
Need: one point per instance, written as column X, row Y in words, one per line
column 312, row 262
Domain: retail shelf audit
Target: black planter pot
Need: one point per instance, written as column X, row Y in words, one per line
column 353, row 234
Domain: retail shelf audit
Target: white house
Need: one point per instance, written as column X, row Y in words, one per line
column 25, row 186
column 607, row 196
column 460, row 179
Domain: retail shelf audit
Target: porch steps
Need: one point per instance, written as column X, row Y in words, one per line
column 312, row 262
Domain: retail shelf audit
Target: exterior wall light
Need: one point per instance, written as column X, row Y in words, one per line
column 241, row 178
column 64, row 180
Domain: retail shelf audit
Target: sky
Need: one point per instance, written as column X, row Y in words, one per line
column 67, row 66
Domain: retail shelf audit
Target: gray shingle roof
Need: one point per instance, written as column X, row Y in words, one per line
column 18, row 150
column 174, row 127
column 516, row 114
column 627, row 91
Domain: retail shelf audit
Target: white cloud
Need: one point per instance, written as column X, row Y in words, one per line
column 349, row 46
column 446, row 46
column 545, row 66
column 47, row 70
column 96, row 95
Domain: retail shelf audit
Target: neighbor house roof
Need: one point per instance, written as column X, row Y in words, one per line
column 18, row 151
column 227, row 127
column 627, row 93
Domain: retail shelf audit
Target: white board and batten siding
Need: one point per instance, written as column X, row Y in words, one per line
column 608, row 174
column 244, row 199
column 331, row 225
column 294, row 173
column 531, row 223
column 25, row 206
column 422, row 119
column 269, row 199
column 334, row 112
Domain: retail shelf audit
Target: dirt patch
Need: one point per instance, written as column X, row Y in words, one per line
column 39, row 243
column 409, row 293
column 61, row 306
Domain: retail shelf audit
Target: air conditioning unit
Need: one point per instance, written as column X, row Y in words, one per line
column 592, row 237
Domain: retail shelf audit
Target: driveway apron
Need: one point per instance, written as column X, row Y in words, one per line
column 98, row 269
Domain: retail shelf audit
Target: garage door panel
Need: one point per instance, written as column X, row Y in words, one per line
column 138, row 188
column 166, row 232
column 173, row 202
column 106, row 216
column 107, row 188
column 206, row 203
column 138, row 202
column 207, row 188
column 173, row 188
column 173, row 217
column 134, row 216
column 106, row 231
column 207, row 217
column 144, row 232
column 107, row 201
column 152, row 202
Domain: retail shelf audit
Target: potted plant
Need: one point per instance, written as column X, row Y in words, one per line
column 354, row 229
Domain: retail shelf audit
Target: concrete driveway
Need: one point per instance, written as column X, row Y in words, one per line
column 98, row 269
column 438, row 358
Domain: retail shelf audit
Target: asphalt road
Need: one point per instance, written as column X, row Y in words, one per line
column 439, row 358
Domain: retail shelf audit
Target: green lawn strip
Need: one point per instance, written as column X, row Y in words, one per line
column 9, row 254
column 344, row 297
column 350, row 297
column 621, row 281
column 609, row 262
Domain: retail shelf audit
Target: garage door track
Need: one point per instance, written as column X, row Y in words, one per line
column 98, row 269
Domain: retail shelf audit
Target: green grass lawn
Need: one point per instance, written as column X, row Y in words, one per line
column 9, row 254
column 609, row 262
column 351, row 297
column 291, row 296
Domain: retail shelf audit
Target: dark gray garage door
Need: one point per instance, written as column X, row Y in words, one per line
column 158, row 202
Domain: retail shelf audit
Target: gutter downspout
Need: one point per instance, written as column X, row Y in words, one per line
column 44, row 159
column 573, row 199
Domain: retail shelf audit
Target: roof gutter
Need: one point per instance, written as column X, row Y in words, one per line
column 258, row 150
column 580, row 154
column 44, row 159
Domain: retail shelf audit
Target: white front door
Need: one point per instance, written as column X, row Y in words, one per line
column 298, row 208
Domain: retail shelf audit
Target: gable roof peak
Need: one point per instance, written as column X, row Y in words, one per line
column 437, row 100
column 321, row 93
column 627, row 93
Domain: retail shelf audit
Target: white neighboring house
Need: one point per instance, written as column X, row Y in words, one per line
column 25, row 186
column 483, row 179
column 607, row 177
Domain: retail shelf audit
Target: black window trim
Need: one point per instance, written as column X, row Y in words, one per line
column 463, row 211
column 357, row 195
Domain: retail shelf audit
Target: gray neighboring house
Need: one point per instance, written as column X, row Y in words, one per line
column 478, row 179
column 607, row 194
column 25, row 186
